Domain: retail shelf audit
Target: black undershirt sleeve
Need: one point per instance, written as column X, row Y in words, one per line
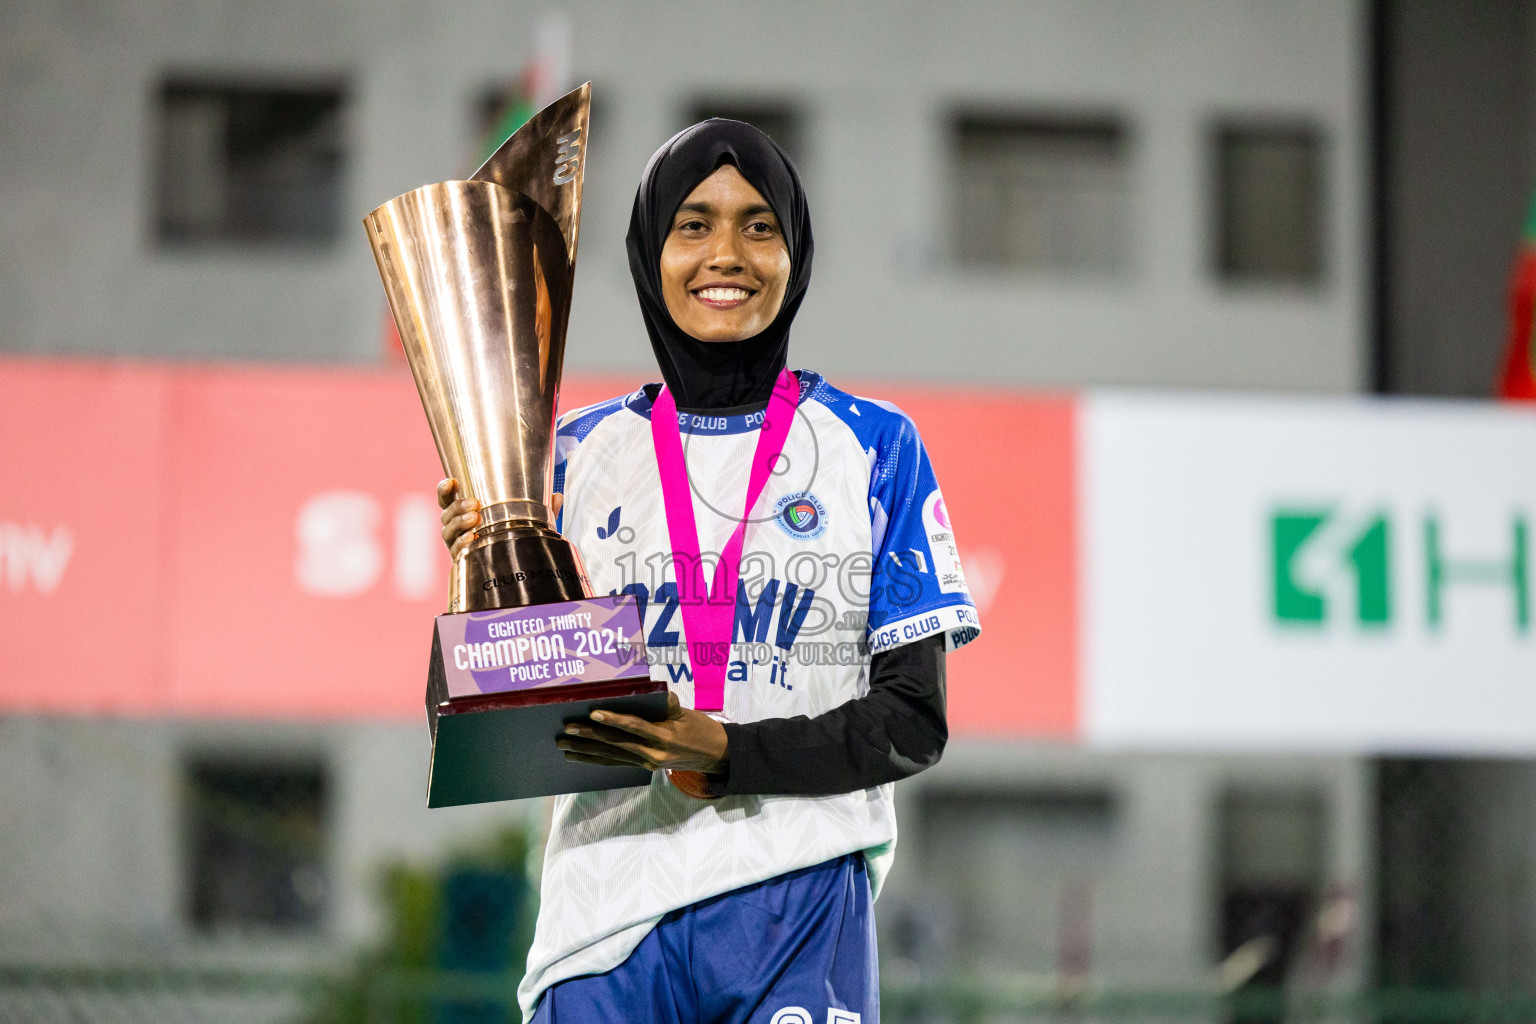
column 893, row 732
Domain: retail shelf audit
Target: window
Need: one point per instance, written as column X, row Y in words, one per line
column 256, row 841
column 1039, row 194
column 1269, row 204
column 1011, row 873
column 777, row 119
column 241, row 163
column 1273, row 854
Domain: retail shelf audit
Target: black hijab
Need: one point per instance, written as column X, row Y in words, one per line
column 717, row 374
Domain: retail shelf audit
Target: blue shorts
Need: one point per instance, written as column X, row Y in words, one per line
column 796, row 949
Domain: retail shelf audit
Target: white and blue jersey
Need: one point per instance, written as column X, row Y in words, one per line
column 848, row 552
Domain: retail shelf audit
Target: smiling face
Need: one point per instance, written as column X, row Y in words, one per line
column 724, row 265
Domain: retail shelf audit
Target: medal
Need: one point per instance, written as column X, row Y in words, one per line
column 709, row 615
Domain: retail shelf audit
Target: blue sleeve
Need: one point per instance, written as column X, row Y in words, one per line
column 570, row 430
column 917, row 587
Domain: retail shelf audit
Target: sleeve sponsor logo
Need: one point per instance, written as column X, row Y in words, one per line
column 940, row 513
column 941, row 545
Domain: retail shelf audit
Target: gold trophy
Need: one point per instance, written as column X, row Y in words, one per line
column 479, row 277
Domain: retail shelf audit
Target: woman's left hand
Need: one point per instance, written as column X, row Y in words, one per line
column 685, row 740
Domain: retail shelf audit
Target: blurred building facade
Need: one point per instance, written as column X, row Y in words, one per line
column 1054, row 194
column 1123, row 142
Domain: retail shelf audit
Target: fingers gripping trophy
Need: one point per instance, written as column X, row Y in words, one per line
column 479, row 276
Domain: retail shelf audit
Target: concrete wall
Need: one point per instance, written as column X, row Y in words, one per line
column 1141, row 893
column 91, row 856
column 91, row 827
column 80, row 272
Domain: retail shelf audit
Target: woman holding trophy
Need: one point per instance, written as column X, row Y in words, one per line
column 738, row 886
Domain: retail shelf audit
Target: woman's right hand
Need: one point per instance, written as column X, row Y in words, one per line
column 460, row 516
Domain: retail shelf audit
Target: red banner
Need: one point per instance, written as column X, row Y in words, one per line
column 264, row 542
column 85, row 466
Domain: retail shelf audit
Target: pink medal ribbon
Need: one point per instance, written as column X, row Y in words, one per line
column 710, row 615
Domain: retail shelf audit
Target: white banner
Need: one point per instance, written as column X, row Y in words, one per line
column 1322, row 574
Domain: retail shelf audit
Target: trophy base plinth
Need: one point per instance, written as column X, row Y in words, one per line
column 504, row 748
column 503, row 683
column 517, row 563
column 500, row 744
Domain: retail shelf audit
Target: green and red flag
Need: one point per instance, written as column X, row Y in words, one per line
column 1517, row 381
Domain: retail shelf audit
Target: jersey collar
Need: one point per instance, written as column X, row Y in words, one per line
column 712, row 424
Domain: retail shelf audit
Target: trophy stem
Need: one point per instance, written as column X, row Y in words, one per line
column 514, row 563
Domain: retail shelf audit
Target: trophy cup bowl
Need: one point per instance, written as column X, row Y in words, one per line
column 479, row 275
column 479, row 283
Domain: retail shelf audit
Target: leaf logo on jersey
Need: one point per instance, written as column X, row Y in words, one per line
column 801, row 515
column 624, row 534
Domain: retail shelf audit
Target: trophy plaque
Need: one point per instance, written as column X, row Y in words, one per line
column 479, row 277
